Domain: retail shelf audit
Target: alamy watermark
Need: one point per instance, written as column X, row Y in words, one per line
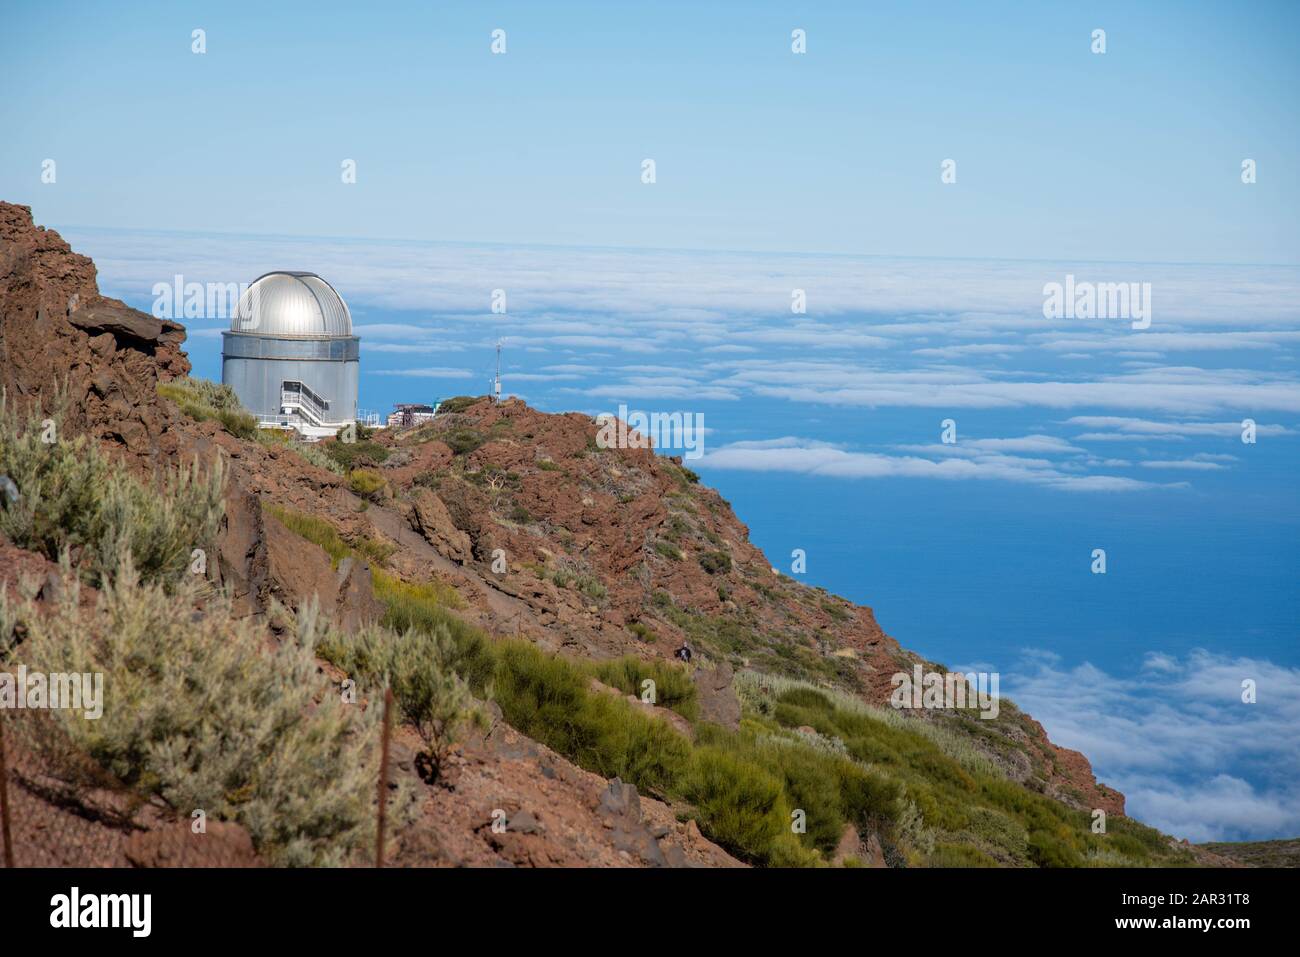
column 951, row 690
column 682, row 431
column 132, row 912
column 1098, row 300
column 37, row 691
column 179, row 299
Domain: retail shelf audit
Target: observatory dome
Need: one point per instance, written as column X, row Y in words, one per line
column 290, row 355
column 292, row 304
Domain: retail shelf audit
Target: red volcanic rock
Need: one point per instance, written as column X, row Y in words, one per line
column 1076, row 771
column 63, row 343
column 219, row 844
column 429, row 517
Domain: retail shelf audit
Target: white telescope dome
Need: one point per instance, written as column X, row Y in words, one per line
column 292, row 304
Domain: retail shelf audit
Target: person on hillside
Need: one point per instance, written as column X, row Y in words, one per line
column 683, row 653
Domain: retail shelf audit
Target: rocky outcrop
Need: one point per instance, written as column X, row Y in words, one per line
column 65, row 348
column 262, row 562
column 116, row 319
column 1075, row 783
column 620, row 812
column 429, row 517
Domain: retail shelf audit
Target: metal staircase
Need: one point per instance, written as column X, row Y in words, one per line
column 297, row 399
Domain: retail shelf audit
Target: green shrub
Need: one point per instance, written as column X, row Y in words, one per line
column 426, row 607
column 462, row 441
column 669, row 550
column 741, row 805
column 419, row 666
column 314, row 454
column 457, row 403
column 673, row 686
column 1048, row 849
column 643, row 632
column 376, row 550
column 72, row 496
column 160, row 524
column 548, row 699
column 359, row 454
column 197, row 711
column 810, row 782
column 895, row 734
column 715, row 562
column 521, row 515
column 959, row 855
column 998, row 834
column 870, row 801
column 832, row 790
column 805, row 697
column 592, row 588
column 203, row 400
column 367, row 484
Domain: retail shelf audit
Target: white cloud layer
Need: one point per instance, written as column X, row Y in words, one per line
column 953, row 463
column 1192, row 759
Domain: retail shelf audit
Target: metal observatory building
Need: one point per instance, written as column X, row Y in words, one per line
column 290, row 354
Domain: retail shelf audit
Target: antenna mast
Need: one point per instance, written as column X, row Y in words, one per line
column 496, row 382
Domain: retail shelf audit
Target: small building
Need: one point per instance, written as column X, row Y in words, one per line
column 290, row 355
column 408, row 414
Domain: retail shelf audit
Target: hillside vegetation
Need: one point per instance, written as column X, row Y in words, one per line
column 929, row 795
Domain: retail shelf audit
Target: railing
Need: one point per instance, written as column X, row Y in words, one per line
column 306, row 402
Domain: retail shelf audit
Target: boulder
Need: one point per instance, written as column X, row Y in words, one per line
column 222, row 844
column 619, row 809
column 108, row 315
column 867, row 852
column 429, row 517
column 719, row 703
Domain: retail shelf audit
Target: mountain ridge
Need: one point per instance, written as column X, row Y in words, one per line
column 541, row 536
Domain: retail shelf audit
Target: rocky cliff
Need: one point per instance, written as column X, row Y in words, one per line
column 62, row 343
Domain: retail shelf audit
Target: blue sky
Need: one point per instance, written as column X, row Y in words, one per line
column 777, row 172
column 1134, row 154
